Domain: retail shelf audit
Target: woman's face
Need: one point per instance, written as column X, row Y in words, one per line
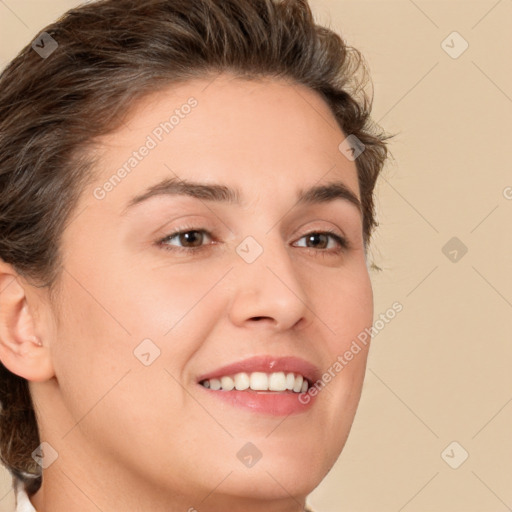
column 145, row 316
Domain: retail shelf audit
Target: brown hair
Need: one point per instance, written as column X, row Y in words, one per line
column 110, row 54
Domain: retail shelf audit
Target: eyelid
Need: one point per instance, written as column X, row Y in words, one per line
column 314, row 227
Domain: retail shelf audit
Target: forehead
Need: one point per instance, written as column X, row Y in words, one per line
column 266, row 136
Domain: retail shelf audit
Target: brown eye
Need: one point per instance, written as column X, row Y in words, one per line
column 194, row 238
column 187, row 240
column 320, row 240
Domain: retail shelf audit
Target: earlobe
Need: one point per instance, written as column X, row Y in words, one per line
column 22, row 351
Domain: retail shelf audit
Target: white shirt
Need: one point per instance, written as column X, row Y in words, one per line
column 22, row 502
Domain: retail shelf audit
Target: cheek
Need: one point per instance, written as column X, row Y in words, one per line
column 346, row 307
column 126, row 337
column 93, row 346
column 348, row 312
column 105, row 387
column 157, row 301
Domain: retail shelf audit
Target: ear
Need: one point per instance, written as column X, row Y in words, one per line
column 23, row 351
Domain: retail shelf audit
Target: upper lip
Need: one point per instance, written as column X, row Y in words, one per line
column 267, row 364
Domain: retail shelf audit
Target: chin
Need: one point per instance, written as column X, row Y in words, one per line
column 281, row 473
column 274, row 483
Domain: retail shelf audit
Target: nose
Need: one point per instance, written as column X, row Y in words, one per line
column 270, row 290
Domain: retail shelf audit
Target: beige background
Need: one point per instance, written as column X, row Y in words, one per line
column 439, row 372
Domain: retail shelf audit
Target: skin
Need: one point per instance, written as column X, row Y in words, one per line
column 136, row 437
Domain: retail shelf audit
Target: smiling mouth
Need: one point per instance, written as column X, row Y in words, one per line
column 259, row 381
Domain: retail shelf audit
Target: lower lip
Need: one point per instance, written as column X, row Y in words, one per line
column 266, row 402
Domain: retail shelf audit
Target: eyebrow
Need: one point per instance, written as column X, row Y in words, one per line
column 223, row 194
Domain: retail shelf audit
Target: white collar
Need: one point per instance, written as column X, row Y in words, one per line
column 23, row 503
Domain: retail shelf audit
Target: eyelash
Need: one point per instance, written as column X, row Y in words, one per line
column 343, row 243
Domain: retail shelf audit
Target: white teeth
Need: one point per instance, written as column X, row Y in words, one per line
column 227, row 383
column 242, row 381
column 277, row 381
column 214, row 384
column 298, row 384
column 290, row 381
column 259, row 381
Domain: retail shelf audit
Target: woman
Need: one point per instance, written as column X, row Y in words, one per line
column 186, row 208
